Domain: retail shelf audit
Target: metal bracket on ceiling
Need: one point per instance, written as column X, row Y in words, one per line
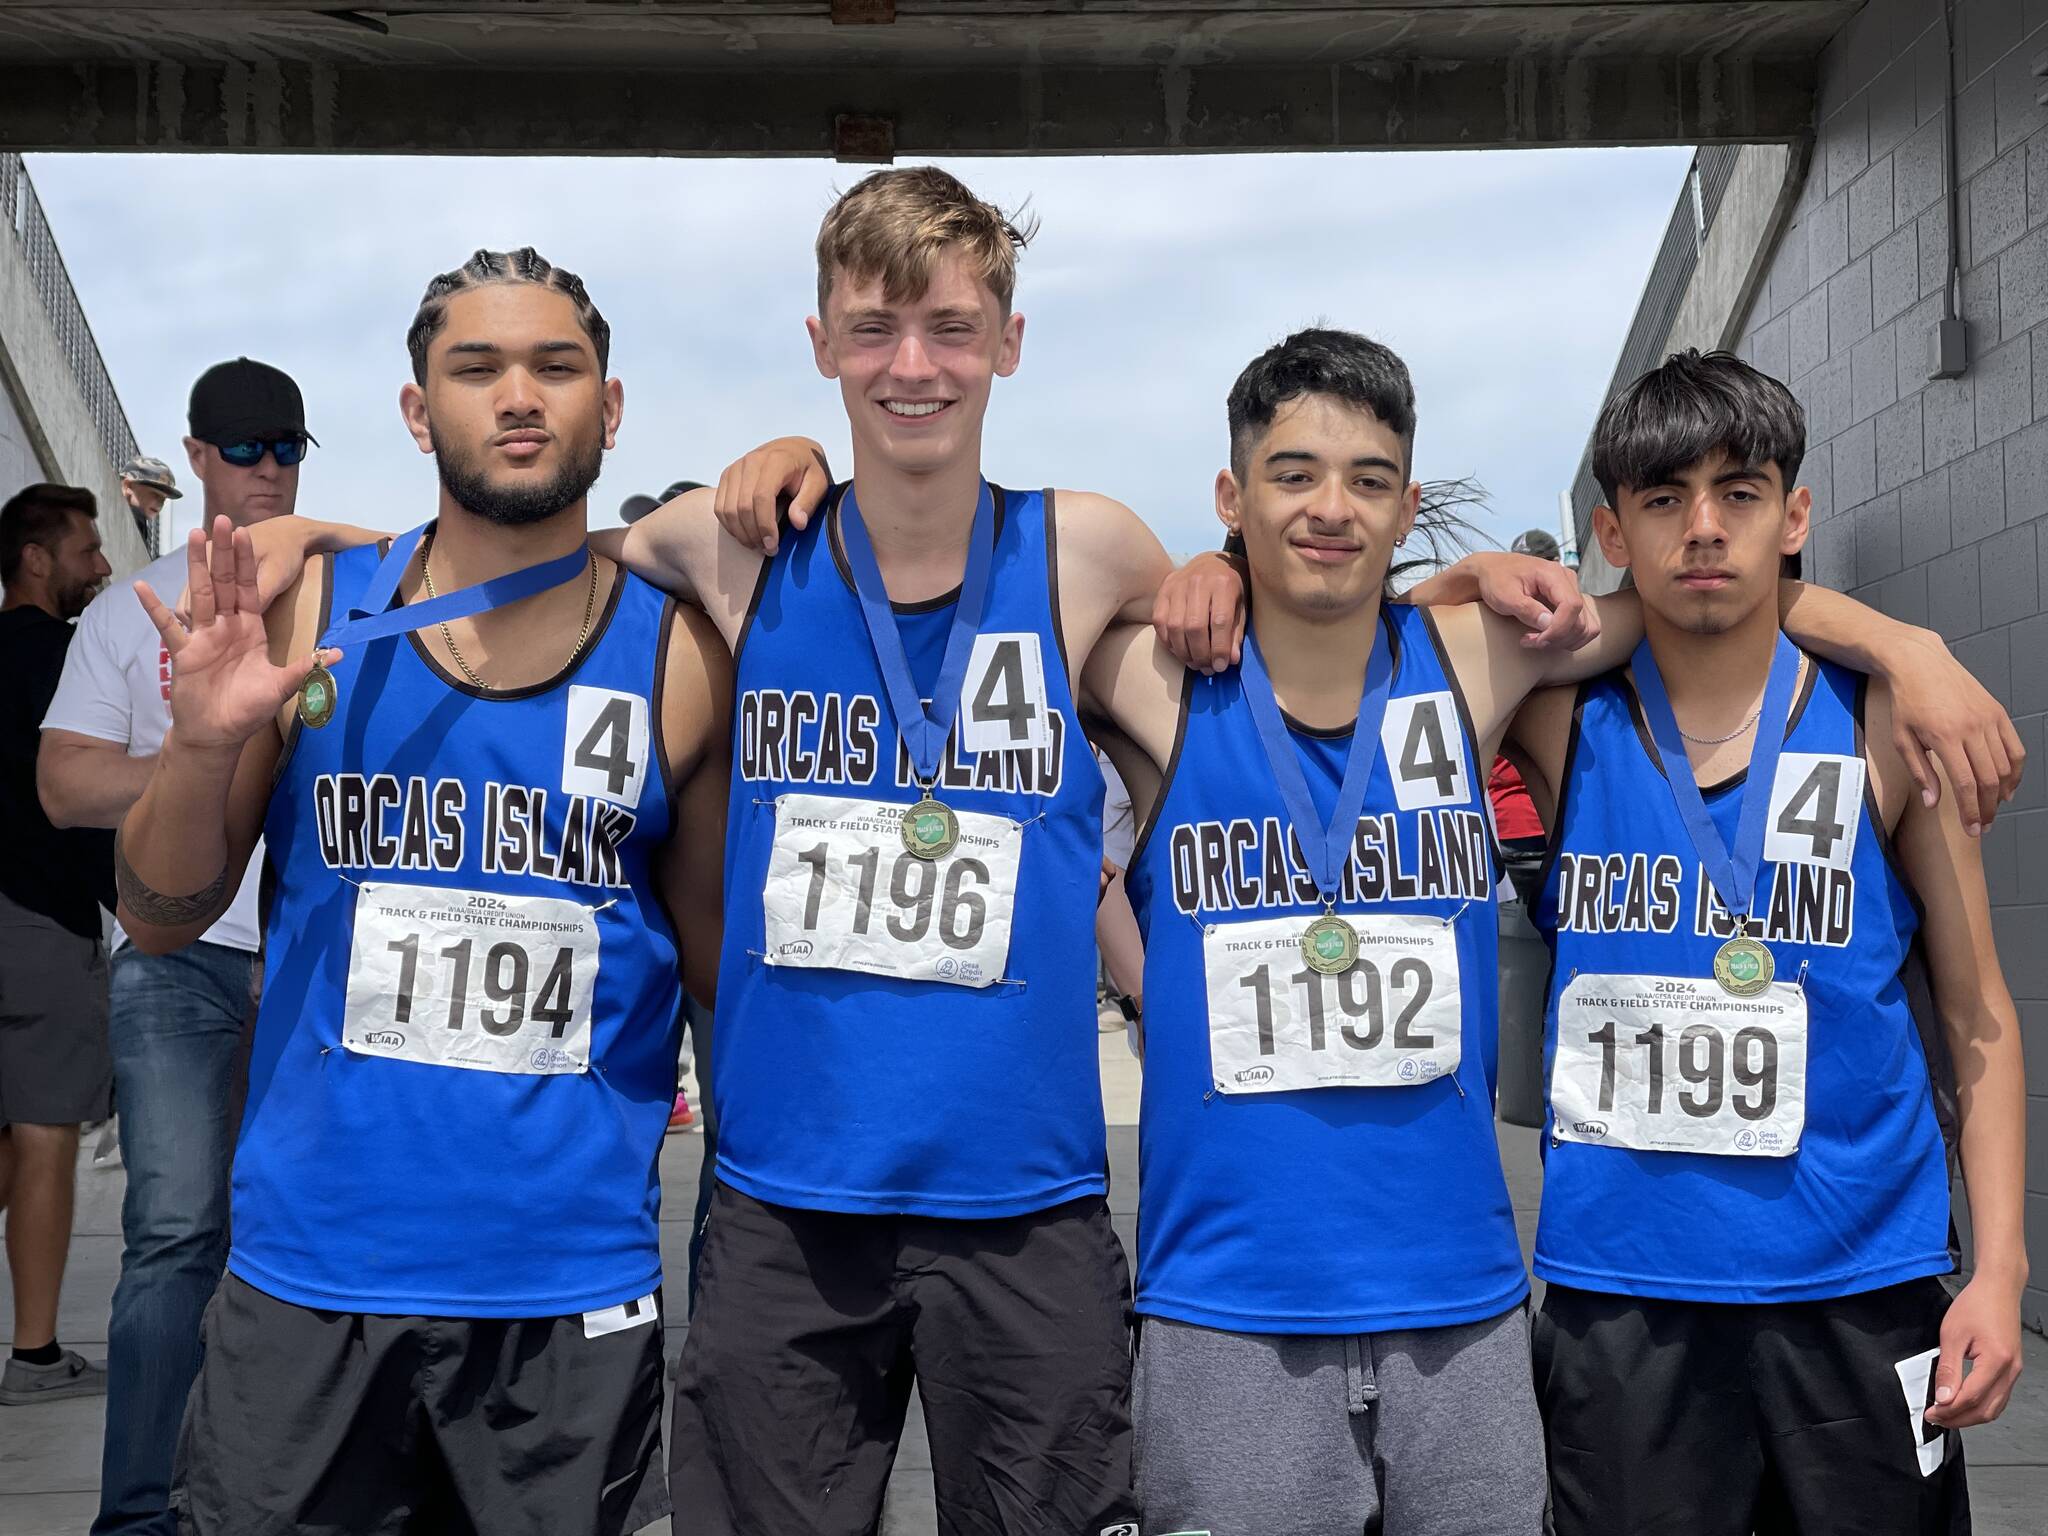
column 860, row 138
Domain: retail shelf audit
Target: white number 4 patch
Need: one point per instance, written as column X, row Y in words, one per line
column 1002, row 697
column 604, row 747
column 1816, row 806
column 1424, row 748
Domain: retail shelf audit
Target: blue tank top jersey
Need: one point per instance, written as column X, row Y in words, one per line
column 1335, row 1209
column 408, row 1184
column 1862, row 1201
column 845, row 1090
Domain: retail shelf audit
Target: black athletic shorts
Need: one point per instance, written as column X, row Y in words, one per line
column 306, row 1420
column 1684, row 1418
column 811, row 1327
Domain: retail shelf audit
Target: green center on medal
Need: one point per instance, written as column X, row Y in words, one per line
column 316, row 700
column 1329, row 945
column 929, row 830
column 1743, row 966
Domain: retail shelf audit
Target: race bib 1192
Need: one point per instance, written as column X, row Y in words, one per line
column 843, row 893
column 1394, row 1019
column 474, row 979
column 1675, row 1064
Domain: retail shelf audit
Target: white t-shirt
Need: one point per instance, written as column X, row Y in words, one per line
column 1119, row 825
column 117, row 687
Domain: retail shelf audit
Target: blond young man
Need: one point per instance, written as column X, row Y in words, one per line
column 911, row 1157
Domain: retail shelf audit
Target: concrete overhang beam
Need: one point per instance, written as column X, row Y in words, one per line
column 1019, row 109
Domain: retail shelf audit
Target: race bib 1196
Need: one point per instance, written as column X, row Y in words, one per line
column 843, row 893
column 1394, row 1019
column 1675, row 1064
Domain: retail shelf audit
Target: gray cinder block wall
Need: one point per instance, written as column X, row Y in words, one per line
column 1931, row 496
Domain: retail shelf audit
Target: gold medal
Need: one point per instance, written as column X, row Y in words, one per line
column 317, row 697
column 929, row 829
column 1329, row 945
column 1743, row 966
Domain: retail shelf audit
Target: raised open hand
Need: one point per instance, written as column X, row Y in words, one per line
column 224, row 686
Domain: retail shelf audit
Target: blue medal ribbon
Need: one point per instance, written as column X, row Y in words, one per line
column 924, row 733
column 1325, row 847
column 372, row 617
column 1732, row 873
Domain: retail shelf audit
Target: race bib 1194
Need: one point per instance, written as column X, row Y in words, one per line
column 474, row 979
column 1675, row 1064
column 1394, row 1019
column 843, row 893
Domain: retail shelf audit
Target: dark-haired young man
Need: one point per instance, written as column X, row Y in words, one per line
column 1328, row 1272
column 493, row 816
column 54, row 1066
column 1745, row 1203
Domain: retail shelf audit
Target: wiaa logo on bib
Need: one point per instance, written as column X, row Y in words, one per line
column 1589, row 1127
column 384, row 1039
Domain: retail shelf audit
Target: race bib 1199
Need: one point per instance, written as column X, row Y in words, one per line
column 1675, row 1064
column 1394, row 1019
column 843, row 893
column 474, row 979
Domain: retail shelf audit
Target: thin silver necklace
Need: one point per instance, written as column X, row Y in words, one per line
column 1715, row 741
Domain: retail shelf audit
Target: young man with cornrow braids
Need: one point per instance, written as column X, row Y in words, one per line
column 489, row 767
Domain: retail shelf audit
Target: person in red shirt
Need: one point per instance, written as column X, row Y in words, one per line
column 1515, row 821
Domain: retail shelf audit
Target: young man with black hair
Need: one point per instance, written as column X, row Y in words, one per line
column 54, row 1067
column 493, row 816
column 1328, row 1275
column 1745, row 1206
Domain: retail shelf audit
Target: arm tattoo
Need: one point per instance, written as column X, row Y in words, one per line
column 160, row 910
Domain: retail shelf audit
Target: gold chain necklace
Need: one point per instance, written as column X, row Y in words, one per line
column 589, row 608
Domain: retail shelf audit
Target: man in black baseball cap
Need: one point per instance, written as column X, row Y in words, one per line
column 176, row 1020
column 247, row 438
column 244, row 399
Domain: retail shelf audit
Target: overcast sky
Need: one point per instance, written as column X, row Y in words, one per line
column 1505, row 278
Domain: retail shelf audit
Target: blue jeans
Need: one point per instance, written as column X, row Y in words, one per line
column 175, row 1022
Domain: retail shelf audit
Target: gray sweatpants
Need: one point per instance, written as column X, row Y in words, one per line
column 1425, row 1432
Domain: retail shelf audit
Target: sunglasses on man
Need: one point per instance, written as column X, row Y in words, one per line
column 249, row 452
